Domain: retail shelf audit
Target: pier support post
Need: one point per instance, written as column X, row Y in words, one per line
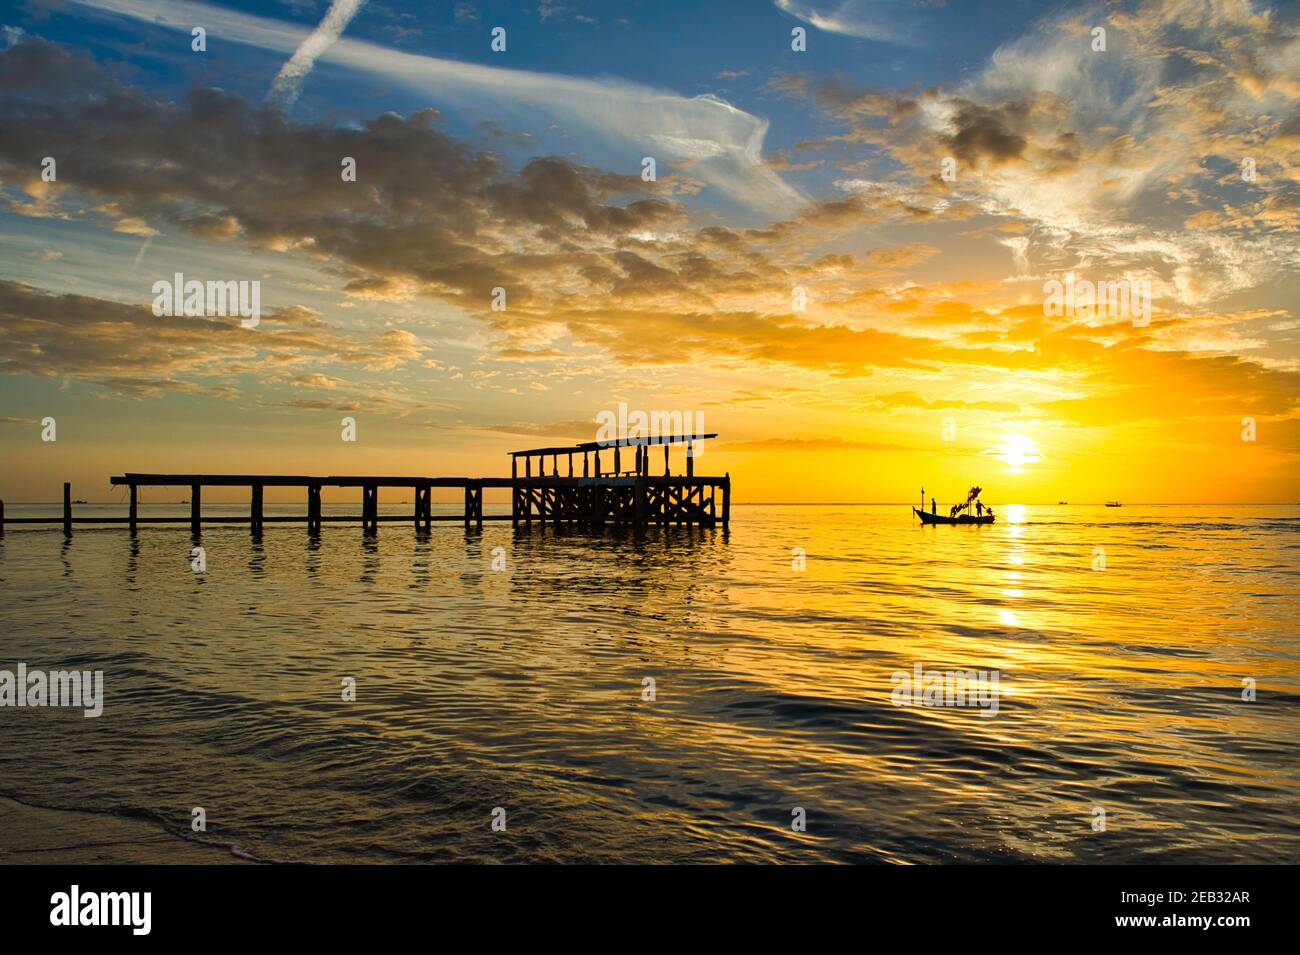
column 67, row 509
column 134, row 512
column 690, row 459
column 255, row 510
column 313, row 509
column 469, row 504
column 196, row 509
column 726, row 499
column 370, row 508
column 2, row 518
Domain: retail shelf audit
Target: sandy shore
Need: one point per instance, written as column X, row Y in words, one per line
column 32, row 835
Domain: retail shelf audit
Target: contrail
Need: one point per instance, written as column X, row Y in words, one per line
column 140, row 255
column 288, row 82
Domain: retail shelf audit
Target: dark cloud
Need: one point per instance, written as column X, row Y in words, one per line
column 425, row 207
column 41, row 69
column 988, row 134
column 124, row 349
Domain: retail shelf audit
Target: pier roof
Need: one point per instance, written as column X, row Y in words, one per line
column 616, row 443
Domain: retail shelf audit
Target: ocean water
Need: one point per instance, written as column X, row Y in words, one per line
column 1120, row 689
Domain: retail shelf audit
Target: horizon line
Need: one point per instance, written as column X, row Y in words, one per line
column 59, row 503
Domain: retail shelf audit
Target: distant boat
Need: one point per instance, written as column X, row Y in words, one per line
column 928, row 518
column 1113, row 504
column 1062, row 502
column 80, row 501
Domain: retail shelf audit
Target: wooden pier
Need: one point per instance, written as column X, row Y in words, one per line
column 617, row 496
column 595, row 498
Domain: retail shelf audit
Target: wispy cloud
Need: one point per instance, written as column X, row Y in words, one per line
column 886, row 20
column 724, row 144
column 288, row 82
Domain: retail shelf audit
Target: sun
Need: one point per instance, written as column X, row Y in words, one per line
column 1016, row 451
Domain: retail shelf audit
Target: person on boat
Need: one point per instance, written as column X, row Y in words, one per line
column 933, row 507
column 979, row 509
column 988, row 511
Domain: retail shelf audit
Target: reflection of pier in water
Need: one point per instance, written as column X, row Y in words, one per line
column 597, row 497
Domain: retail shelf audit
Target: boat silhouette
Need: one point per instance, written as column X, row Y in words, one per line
column 928, row 518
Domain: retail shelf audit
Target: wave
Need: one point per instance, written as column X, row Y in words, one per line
column 147, row 817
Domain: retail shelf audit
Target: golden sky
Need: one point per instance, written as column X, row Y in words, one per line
column 841, row 263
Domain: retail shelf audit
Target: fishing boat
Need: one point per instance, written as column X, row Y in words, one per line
column 928, row 518
column 1113, row 504
column 959, row 513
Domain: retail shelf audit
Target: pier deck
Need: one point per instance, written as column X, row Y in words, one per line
column 632, row 497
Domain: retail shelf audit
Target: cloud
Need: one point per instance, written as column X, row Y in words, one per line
column 901, row 256
column 1125, row 160
column 910, row 399
column 124, row 349
column 890, row 21
column 578, row 430
column 431, row 214
column 593, row 261
column 725, row 144
column 814, row 444
column 1132, row 386
column 288, row 82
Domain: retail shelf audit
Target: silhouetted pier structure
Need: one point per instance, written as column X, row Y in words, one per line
column 617, row 496
column 597, row 497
